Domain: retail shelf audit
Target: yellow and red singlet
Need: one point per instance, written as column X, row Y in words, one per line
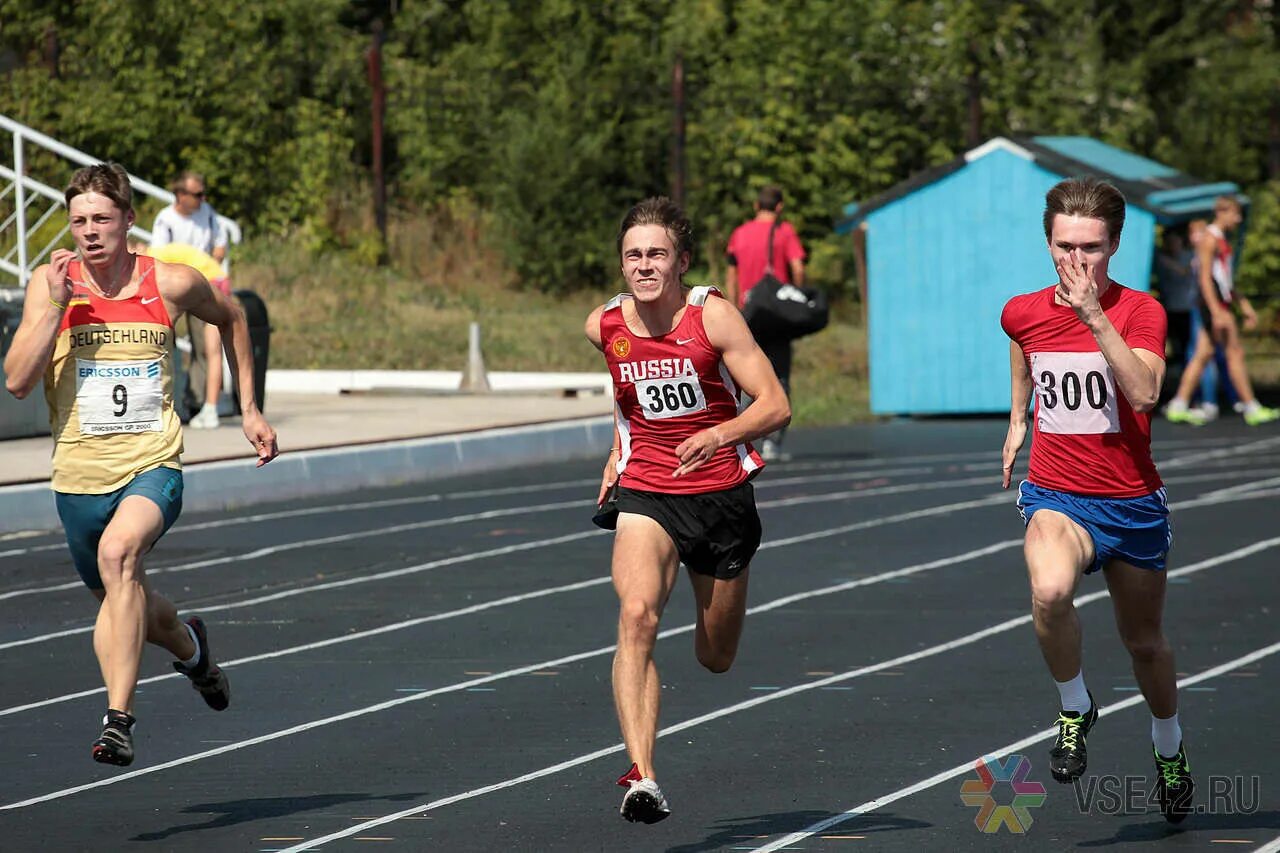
column 110, row 387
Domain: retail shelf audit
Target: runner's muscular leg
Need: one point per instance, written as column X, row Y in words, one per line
column 122, row 617
column 722, row 607
column 645, row 567
column 1057, row 552
column 1137, row 595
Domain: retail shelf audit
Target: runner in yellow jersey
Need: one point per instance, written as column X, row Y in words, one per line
column 98, row 329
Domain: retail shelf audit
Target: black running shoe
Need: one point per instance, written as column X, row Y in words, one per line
column 115, row 744
column 206, row 677
column 643, row 802
column 1174, row 785
column 1068, row 758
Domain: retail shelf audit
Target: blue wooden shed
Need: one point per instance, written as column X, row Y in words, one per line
column 948, row 247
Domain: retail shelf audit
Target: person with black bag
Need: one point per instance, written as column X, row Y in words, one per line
column 765, row 252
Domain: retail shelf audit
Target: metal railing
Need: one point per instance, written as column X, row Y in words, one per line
column 29, row 193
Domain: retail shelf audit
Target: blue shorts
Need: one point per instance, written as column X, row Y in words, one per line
column 85, row 517
column 1135, row 530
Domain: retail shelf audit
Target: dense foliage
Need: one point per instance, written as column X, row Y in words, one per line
column 551, row 116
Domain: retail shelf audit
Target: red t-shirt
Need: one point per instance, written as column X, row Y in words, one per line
column 748, row 250
column 1087, row 439
column 666, row 389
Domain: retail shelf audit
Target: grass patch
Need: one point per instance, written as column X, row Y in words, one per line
column 333, row 310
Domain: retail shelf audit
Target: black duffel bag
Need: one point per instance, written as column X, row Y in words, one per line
column 778, row 311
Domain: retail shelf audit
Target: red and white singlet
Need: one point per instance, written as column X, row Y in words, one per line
column 1223, row 268
column 667, row 388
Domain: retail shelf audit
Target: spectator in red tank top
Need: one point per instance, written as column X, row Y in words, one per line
column 682, row 465
column 1092, row 350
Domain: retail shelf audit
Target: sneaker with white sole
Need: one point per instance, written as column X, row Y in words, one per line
column 1258, row 415
column 643, row 802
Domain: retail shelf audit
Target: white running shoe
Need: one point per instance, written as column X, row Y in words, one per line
column 643, row 802
column 206, row 418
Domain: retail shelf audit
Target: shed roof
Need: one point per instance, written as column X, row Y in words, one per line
column 1171, row 195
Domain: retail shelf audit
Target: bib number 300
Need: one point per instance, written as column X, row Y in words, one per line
column 1077, row 393
column 670, row 398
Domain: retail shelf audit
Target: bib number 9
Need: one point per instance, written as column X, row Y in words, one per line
column 670, row 398
column 119, row 396
column 1077, row 393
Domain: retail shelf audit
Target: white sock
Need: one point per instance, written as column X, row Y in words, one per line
column 1166, row 735
column 1251, row 407
column 195, row 658
column 1176, row 405
column 1074, row 695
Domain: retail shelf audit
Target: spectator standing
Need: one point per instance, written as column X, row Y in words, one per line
column 747, row 256
column 192, row 221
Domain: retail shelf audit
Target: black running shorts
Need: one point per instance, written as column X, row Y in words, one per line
column 715, row 533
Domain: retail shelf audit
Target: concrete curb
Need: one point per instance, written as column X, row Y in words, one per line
column 308, row 473
column 444, row 381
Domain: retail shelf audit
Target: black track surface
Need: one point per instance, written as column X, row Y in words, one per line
column 521, row 687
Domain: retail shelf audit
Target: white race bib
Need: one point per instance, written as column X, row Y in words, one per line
column 119, row 396
column 1077, row 393
column 670, row 398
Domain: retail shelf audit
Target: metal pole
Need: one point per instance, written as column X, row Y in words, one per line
column 379, row 109
column 677, row 146
column 20, row 199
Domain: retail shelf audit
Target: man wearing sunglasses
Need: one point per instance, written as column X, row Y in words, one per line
column 191, row 221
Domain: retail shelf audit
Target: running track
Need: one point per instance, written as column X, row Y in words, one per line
column 428, row 669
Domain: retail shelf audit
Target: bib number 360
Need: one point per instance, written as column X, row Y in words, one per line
column 1077, row 392
column 670, row 398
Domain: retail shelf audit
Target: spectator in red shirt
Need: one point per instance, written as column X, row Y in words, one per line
column 747, row 256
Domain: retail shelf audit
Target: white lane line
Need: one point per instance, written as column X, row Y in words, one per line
column 543, row 487
column 1235, row 450
column 941, row 509
column 463, row 519
column 827, row 496
column 1270, row 847
column 778, row 543
column 932, row 651
column 1245, row 487
column 1230, row 556
column 333, row 641
column 1197, row 445
column 335, row 508
column 476, row 682
column 327, row 540
column 968, row 767
column 437, row 498
column 393, row 573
